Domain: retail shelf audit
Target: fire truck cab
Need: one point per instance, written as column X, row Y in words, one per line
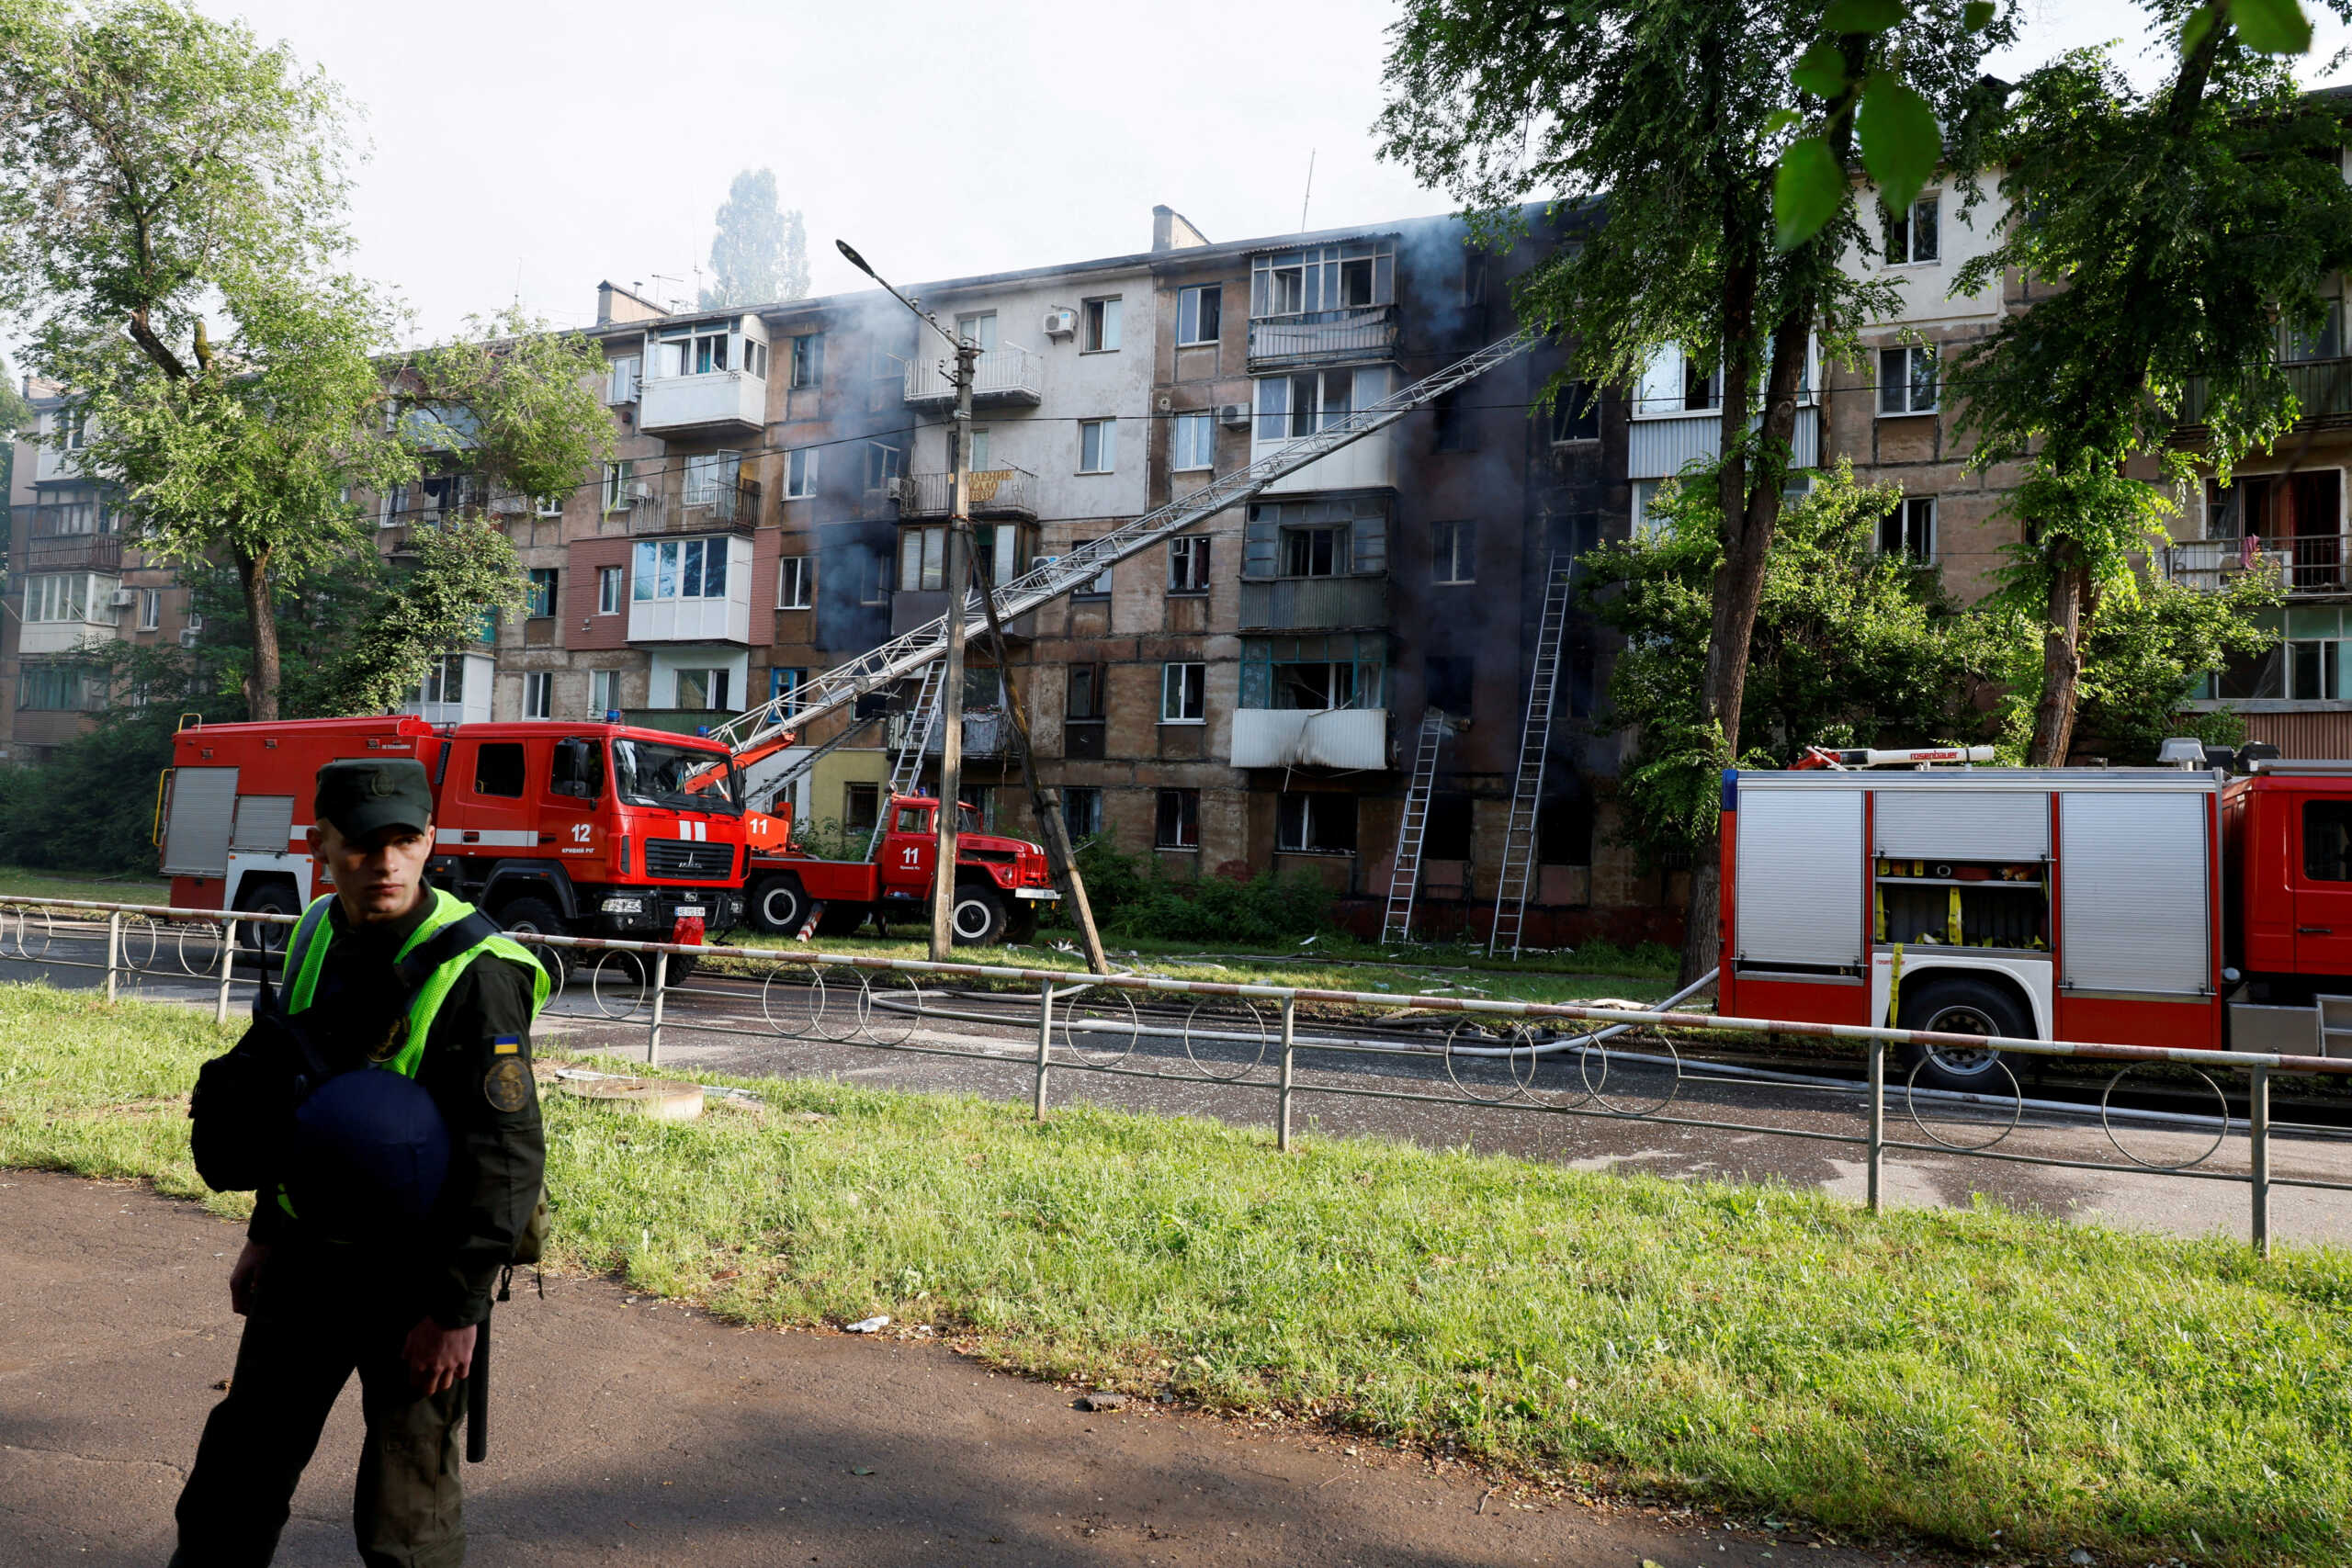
column 588, row 830
column 2163, row 906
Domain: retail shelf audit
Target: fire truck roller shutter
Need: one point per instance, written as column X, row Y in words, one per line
column 1800, row 871
column 195, row 834
column 264, row 824
column 1954, row 821
column 2133, row 913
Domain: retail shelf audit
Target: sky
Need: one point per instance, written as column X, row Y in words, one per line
column 525, row 151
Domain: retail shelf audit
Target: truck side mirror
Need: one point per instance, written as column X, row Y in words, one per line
column 578, row 769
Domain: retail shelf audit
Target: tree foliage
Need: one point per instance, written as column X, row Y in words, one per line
column 759, row 255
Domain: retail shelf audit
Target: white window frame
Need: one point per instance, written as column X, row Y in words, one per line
column 1915, row 517
column 800, row 473
column 979, row 329
column 1193, row 447
column 1455, row 557
column 716, row 681
column 621, row 378
column 538, row 694
column 796, row 582
column 1908, row 226
column 1188, row 314
column 606, row 683
column 1188, row 564
column 151, row 609
column 710, row 475
column 1104, row 432
column 1097, row 324
column 1902, row 384
column 55, row 598
column 612, row 588
column 808, row 361
column 616, row 488
column 1183, row 693
column 547, row 505
column 699, row 349
column 677, row 550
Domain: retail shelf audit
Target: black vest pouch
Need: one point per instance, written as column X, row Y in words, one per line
column 242, row 1108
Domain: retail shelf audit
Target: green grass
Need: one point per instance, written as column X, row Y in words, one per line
column 1983, row 1379
column 1333, row 961
column 125, row 889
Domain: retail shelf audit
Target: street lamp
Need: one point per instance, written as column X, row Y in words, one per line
column 956, row 581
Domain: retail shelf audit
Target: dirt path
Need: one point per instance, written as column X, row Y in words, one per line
column 629, row 1431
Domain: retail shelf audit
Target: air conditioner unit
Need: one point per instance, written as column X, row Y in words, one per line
column 641, row 490
column 188, row 636
column 1232, row 416
column 124, row 598
column 1061, row 323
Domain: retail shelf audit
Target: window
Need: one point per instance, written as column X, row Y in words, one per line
column 1473, row 276
column 695, row 350
column 539, row 594
column 1315, row 685
column 704, row 688
column 1082, row 813
column 608, row 590
column 2322, row 342
column 1196, row 441
column 1907, row 381
column 682, row 569
column 388, row 510
column 800, row 473
column 1457, row 553
column 1316, row 824
column 923, row 559
column 1183, row 693
column 861, row 807
column 1315, row 672
column 1083, row 712
column 1351, row 275
column 1315, row 551
column 1179, row 820
column 538, row 694
column 620, row 379
column 883, row 465
column 1293, row 406
column 755, row 358
column 1576, row 416
column 1647, row 518
column 1909, row 530
column 604, row 692
column 979, row 329
column 796, row 582
column 1188, row 566
column 1449, row 829
column 2327, row 841
column 783, row 681
column 65, row 596
column 809, row 360
column 1099, row 330
column 66, row 688
column 979, row 462
column 616, row 489
column 1454, row 433
column 547, row 506
column 1097, row 445
column 444, row 680
column 1200, row 313
column 498, row 768
column 711, row 478
column 196, row 620
column 1099, row 586
column 151, row 609
column 1448, row 684
column 1911, row 236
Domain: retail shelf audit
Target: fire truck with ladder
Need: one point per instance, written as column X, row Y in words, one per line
column 2205, row 905
column 605, row 830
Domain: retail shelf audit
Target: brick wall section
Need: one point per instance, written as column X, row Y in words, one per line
column 583, row 626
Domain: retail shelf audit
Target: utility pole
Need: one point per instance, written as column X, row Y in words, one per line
column 951, row 685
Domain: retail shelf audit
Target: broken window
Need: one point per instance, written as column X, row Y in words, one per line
column 1082, row 813
column 1315, row 552
column 1178, row 819
column 1447, row 681
column 1316, row 824
column 1352, row 276
column 1909, row 530
column 1447, row 834
column 1315, row 672
column 1911, row 235
column 1188, row 566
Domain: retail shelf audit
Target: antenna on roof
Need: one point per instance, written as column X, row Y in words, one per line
column 1310, row 190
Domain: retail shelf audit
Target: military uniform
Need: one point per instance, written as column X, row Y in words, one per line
column 338, row 1292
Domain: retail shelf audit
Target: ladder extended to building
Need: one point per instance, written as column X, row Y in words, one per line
column 1534, row 745
column 760, row 730
column 1405, row 877
column 922, row 719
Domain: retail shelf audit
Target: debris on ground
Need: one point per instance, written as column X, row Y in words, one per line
column 874, row 1325
column 1101, row 1402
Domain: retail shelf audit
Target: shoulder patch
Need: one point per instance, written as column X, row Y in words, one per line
column 507, row 1085
column 506, row 1045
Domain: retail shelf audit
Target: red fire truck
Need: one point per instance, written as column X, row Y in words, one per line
column 999, row 883
column 2165, row 907
column 587, row 829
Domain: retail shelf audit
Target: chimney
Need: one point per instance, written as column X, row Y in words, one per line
column 615, row 303
column 1171, row 230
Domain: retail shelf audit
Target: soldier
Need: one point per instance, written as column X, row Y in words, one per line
column 412, row 1174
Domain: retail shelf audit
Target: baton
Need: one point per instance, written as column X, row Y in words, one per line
column 477, row 1397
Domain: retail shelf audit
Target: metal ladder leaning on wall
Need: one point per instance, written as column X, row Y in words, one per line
column 1535, row 744
column 922, row 719
column 1405, row 878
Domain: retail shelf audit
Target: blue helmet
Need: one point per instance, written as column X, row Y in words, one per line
column 371, row 1151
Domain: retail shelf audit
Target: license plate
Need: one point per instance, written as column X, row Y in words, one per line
column 695, row 909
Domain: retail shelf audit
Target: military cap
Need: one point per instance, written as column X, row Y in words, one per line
column 364, row 797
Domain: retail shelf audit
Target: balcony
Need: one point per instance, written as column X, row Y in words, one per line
column 1658, row 448
column 72, row 552
column 2304, row 566
column 1004, row 377
column 986, row 734
column 2322, row 388
column 1311, row 337
column 720, row 402
column 725, row 508
column 1353, row 739
column 1314, row 603
column 996, row 492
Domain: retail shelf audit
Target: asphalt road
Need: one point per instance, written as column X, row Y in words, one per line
column 720, row 1025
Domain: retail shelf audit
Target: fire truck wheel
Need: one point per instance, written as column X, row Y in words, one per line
column 779, row 904
column 539, row 917
column 269, row 899
column 1960, row 1004
column 978, row 919
column 1021, row 925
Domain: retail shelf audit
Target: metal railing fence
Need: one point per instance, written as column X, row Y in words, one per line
column 1250, row 1039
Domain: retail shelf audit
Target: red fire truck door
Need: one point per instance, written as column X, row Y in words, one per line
column 2320, row 871
column 910, row 850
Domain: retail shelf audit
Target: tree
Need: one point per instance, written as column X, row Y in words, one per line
column 759, row 255
column 1660, row 128
column 162, row 172
column 2171, row 236
column 1852, row 646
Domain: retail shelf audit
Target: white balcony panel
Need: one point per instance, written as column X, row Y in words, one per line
column 61, row 636
column 720, row 399
column 1310, row 738
column 1660, row 448
column 726, row 620
column 1368, row 463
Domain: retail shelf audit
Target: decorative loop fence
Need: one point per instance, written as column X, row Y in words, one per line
column 1614, row 1063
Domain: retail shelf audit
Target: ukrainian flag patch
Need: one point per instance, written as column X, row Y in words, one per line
column 506, row 1045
